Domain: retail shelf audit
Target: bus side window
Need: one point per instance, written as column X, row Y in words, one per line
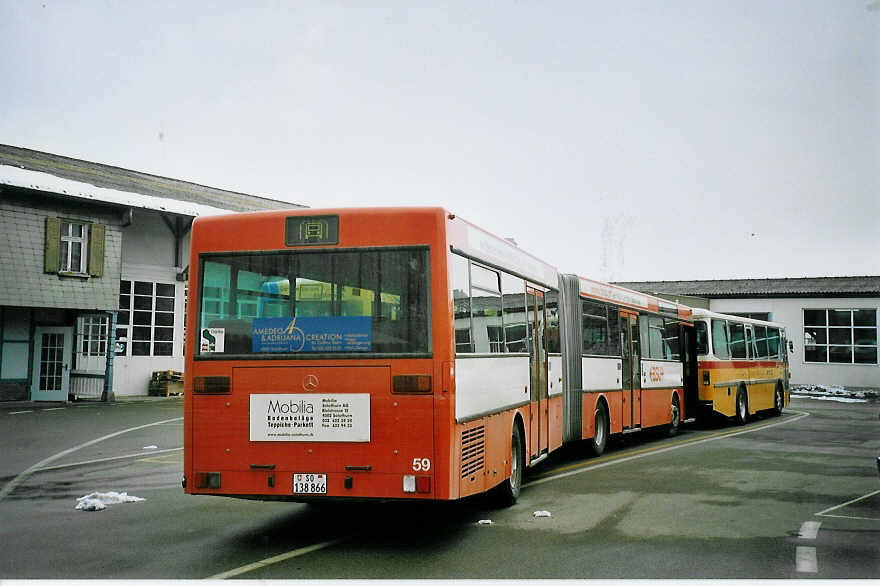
column 513, row 300
column 773, row 343
column 461, row 298
column 720, row 342
column 737, row 341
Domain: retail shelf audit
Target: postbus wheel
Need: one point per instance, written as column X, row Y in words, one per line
column 675, row 417
column 600, row 431
column 742, row 407
column 509, row 489
column 779, row 399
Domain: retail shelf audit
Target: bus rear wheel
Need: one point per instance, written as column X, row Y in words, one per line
column 742, row 407
column 778, row 400
column 509, row 490
column 600, row 431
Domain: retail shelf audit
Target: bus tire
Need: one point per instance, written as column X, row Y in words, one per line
column 600, row 431
column 742, row 407
column 778, row 400
column 509, row 490
column 674, row 417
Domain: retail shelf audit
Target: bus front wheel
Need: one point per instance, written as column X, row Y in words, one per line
column 600, row 431
column 778, row 400
column 675, row 417
column 742, row 407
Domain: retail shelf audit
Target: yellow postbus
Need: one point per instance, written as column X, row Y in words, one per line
column 743, row 365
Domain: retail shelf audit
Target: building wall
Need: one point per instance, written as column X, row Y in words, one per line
column 148, row 257
column 22, row 249
column 790, row 312
column 148, row 240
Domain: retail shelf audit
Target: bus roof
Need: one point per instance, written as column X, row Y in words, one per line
column 482, row 246
column 630, row 298
column 705, row 313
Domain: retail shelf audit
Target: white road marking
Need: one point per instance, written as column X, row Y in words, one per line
column 274, row 560
column 861, row 498
column 102, row 460
column 12, row 484
column 587, row 467
column 809, row 530
column 53, row 409
column 805, row 560
column 19, row 412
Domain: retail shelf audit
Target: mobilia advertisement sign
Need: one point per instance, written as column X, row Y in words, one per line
column 341, row 417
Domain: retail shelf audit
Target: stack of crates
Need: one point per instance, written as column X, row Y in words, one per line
column 166, row 383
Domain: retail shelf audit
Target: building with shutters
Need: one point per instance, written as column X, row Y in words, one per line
column 93, row 270
column 832, row 321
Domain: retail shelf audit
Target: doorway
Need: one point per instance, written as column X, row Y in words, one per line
column 52, row 355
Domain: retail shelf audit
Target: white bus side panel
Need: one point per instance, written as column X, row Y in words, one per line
column 657, row 374
column 489, row 385
column 600, row 374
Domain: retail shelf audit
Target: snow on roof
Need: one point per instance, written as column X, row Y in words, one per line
column 17, row 177
column 857, row 286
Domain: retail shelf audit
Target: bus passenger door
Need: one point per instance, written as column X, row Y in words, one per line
column 631, row 368
column 538, row 429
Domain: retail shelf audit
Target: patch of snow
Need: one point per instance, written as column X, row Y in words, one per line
column 98, row 501
column 485, row 522
column 537, row 514
column 826, row 392
column 151, row 447
column 837, row 399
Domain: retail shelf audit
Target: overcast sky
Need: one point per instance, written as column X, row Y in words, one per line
column 619, row 140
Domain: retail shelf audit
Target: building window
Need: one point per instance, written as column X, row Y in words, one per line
column 146, row 318
column 761, row 315
column 840, row 336
column 91, row 342
column 74, row 248
column 74, row 244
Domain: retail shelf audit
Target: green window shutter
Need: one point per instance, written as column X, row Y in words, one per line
column 96, row 250
column 53, row 245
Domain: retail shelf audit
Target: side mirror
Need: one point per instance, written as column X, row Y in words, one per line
column 790, row 347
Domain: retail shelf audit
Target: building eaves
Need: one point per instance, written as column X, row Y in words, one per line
column 116, row 179
column 862, row 286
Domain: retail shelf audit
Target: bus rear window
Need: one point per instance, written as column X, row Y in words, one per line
column 293, row 302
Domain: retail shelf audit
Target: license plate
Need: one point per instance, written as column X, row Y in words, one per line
column 310, row 484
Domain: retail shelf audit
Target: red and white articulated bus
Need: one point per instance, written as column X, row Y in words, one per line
column 403, row 353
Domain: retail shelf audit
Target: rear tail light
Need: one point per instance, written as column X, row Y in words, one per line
column 420, row 484
column 411, row 383
column 211, row 385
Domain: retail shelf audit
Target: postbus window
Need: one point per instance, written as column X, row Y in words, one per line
column 552, row 328
column 761, row 341
column 461, row 299
column 702, row 332
column 737, row 340
column 514, row 313
column 486, row 320
column 720, row 342
column 772, row 343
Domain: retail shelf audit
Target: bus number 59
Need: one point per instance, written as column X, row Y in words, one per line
column 421, row 464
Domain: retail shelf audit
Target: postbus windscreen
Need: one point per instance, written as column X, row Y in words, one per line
column 304, row 303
